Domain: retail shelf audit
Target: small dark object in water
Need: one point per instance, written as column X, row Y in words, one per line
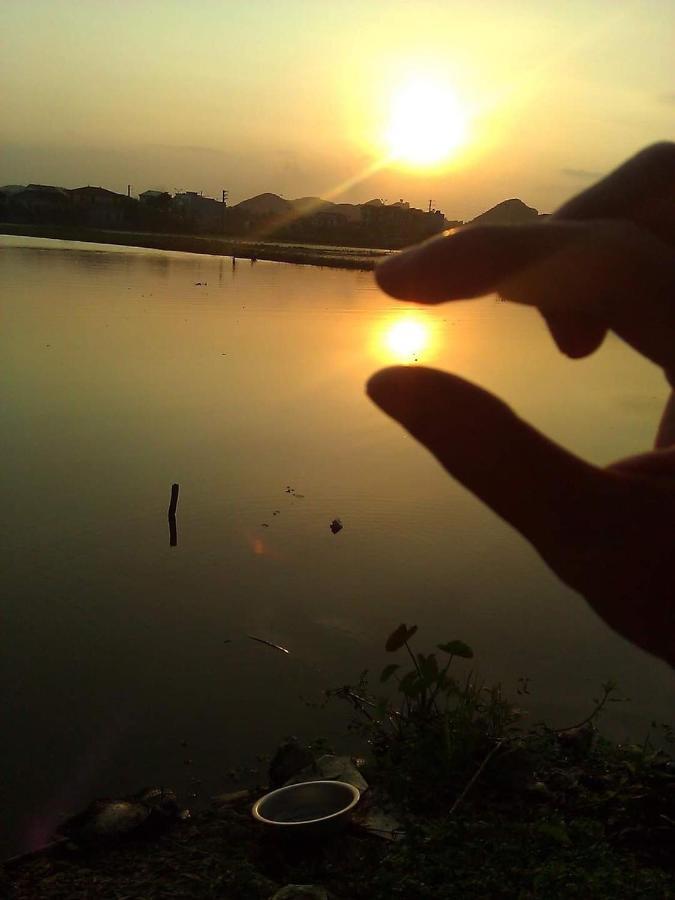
column 173, row 503
column 264, row 525
column 268, row 643
column 336, row 525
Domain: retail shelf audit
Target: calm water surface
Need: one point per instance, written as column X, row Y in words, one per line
column 125, row 661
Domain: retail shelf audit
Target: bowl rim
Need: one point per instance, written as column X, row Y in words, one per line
column 355, row 792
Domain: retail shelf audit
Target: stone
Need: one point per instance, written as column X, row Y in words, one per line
column 231, row 798
column 301, row 892
column 331, row 768
column 578, row 741
column 382, row 824
column 290, row 758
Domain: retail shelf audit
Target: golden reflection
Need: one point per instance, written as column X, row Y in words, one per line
column 409, row 339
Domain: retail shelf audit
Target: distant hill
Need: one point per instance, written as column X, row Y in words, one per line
column 508, row 212
column 309, row 205
column 264, row 205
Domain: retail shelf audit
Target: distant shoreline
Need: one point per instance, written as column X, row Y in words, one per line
column 332, row 257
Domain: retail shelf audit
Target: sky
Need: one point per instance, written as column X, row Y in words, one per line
column 295, row 96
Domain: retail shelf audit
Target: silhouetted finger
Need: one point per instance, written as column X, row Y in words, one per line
column 470, row 262
column 665, row 436
column 544, row 491
column 610, row 271
column 614, row 273
column 641, row 191
column 576, row 333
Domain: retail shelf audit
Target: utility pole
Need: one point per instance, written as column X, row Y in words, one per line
column 224, row 201
column 430, row 206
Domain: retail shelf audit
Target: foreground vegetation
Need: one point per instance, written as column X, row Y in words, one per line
column 487, row 808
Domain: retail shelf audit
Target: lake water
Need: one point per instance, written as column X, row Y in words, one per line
column 125, row 661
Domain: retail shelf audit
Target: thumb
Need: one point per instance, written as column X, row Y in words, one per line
column 544, row 491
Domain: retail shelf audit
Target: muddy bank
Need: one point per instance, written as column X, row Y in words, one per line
column 333, row 257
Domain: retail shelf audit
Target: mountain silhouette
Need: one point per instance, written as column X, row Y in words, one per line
column 508, row 212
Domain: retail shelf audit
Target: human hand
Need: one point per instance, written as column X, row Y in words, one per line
column 605, row 260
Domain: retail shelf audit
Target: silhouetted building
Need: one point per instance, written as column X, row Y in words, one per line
column 100, row 207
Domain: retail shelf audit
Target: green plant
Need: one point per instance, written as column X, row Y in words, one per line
column 439, row 730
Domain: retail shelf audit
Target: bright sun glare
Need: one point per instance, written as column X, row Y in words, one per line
column 406, row 339
column 426, row 123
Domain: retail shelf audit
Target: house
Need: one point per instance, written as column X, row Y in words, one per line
column 157, row 199
column 198, row 212
column 399, row 224
column 100, row 207
column 41, row 202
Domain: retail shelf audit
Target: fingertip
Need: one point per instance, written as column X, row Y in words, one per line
column 393, row 275
column 412, row 395
column 576, row 334
column 384, row 386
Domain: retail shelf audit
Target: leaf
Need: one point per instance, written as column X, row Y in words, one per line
column 410, row 684
column 388, row 671
column 457, row 648
column 428, row 666
column 398, row 638
column 557, row 833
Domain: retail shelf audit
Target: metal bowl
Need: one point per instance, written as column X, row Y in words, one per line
column 308, row 809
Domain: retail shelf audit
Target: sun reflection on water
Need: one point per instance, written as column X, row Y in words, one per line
column 408, row 340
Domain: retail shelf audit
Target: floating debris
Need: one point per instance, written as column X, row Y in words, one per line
column 336, row 525
column 268, row 643
column 264, row 525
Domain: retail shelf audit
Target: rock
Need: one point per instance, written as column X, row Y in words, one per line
column 105, row 819
column 577, row 740
column 231, row 798
column 380, row 823
column 538, row 792
column 562, row 780
column 301, row 892
column 331, row 768
column 290, row 758
column 336, row 525
column 151, row 810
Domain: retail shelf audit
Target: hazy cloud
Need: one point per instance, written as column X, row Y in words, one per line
column 586, row 174
column 184, row 148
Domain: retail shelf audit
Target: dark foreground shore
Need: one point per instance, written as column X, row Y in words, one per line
column 333, row 257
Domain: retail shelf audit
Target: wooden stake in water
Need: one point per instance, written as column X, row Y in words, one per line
column 173, row 503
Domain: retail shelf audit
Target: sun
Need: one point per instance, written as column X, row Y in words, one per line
column 426, row 123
